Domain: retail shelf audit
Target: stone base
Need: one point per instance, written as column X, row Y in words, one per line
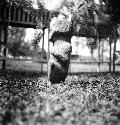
column 57, row 73
column 59, row 62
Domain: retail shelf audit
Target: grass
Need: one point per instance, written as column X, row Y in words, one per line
column 83, row 99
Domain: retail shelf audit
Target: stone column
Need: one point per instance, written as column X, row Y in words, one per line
column 60, row 35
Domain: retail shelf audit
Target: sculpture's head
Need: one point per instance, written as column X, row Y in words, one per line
column 61, row 28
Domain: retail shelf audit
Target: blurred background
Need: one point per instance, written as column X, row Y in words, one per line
column 29, row 48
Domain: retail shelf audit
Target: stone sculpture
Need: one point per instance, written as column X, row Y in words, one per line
column 60, row 36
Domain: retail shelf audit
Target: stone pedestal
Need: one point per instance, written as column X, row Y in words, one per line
column 59, row 61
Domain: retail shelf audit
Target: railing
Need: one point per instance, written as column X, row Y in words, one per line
column 18, row 16
column 24, row 59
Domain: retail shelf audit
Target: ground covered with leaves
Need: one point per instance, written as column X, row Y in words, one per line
column 83, row 99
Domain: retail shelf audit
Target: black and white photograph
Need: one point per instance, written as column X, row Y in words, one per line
column 59, row 62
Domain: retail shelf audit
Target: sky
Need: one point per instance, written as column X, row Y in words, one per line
column 50, row 4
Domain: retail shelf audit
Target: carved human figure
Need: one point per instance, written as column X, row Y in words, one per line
column 60, row 36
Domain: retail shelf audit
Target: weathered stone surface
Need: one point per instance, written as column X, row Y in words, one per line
column 61, row 28
column 60, row 52
column 59, row 62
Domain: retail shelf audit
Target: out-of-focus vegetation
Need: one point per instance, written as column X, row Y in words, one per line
column 112, row 7
column 83, row 12
column 18, row 47
column 84, row 98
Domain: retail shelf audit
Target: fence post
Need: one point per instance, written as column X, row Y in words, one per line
column 115, row 40
column 98, row 41
column 5, row 46
column 48, row 56
column 114, row 52
column 110, row 41
column 42, row 53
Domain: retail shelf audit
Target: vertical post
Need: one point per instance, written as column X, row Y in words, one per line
column 102, row 53
column 70, row 66
column 48, row 56
column 0, row 37
column 5, row 46
column 99, row 54
column 110, row 41
column 98, row 43
column 42, row 53
column 98, row 40
column 114, row 52
column 115, row 40
column 6, row 28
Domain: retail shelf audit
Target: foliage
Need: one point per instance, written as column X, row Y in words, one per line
column 82, row 11
column 85, row 98
column 113, row 9
column 15, row 40
column 18, row 47
column 80, row 15
column 26, row 4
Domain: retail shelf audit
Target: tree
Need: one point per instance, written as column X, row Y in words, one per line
column 113, row 9
column 83, row 12
column 26, row 4
column 78, row 10
column 18, row 47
